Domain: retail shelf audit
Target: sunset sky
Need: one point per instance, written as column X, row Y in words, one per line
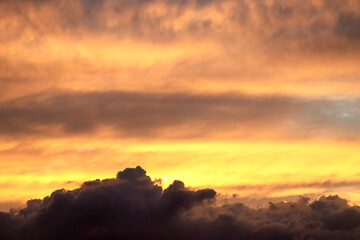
column 258, row 98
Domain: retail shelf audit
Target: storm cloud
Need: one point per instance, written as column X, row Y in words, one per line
column 132, row 206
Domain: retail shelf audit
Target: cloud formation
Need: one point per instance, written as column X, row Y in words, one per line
column 165, row 45
column 169, row 20
column 269, row 87
column 180, row 116
column 132, row 206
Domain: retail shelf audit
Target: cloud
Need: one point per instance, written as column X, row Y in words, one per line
column 305, row 28
column 169, row 45
column 169, row 20
column 180, row 116
column 105, row 209
column 132, row 206
column 284, row 186
column 348, row 25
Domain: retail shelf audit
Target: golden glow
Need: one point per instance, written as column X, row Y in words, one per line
column 202, row 48
column 222, row 165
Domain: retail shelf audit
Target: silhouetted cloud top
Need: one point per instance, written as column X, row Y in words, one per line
column 132, row 206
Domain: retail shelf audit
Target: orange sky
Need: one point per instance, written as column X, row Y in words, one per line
column 258, row 98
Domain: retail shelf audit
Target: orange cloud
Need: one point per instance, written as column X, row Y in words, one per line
column 167, row 46
column 247, row 90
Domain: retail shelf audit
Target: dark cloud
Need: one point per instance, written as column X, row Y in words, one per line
column 348, row 25
column 346, row 220
column 132, row 206
column 280, row 22
column 7, row 229
column 144, row 115
column 310, row 27
column 136, row 19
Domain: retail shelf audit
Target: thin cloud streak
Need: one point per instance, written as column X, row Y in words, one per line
column 280, row 186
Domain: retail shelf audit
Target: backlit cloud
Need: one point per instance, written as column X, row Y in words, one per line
column 257, row 98
column 132, row 206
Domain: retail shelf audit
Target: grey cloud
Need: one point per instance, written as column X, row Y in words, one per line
column 80, row 18
column 348, row 25
column 144, row 115
column 309, row 27
column 280, row 25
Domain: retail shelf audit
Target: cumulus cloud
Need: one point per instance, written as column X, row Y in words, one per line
column 132, row 206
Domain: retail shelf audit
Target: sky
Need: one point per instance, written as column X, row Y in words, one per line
column 257, row 99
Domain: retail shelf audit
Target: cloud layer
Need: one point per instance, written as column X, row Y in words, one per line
column 180, row 116
column 132, row 206
column 242, row 91
column 171, row 20
column 164, row 45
